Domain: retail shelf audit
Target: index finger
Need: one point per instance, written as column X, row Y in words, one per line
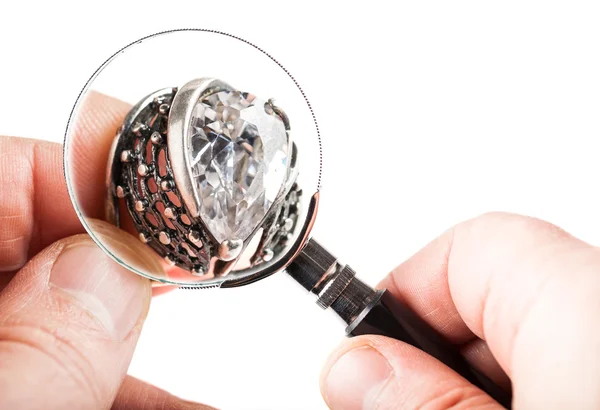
column 93, row 132
column 524, row 286
column 35, row 209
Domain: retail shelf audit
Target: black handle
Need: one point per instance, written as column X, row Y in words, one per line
column 389, row 317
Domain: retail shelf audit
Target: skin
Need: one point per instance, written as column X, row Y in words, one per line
column 517, row 295
column 62, row 345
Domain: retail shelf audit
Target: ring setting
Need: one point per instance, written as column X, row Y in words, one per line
column 207, row 173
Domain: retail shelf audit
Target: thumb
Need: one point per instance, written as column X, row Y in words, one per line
column 376, row 372
column 69, row 322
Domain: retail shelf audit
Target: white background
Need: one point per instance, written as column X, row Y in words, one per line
column 430, row 112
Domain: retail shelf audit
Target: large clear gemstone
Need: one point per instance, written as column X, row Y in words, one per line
column 238, row 154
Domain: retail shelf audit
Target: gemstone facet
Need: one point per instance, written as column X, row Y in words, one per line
column 238, row 158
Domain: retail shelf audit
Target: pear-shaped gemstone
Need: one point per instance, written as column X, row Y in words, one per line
column 238, row 155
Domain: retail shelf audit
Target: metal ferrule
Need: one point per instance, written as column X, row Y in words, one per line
column 335, row 284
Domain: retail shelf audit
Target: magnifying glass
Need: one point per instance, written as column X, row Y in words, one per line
column 217, row 182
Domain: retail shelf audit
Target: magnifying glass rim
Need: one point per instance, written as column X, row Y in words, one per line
column 245, row 276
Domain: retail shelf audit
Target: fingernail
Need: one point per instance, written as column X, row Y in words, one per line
column 355, row 380
column 115, row 296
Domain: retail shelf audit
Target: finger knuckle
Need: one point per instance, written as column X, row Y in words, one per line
column 513, row 222
column 16, row 168
column 458, row 398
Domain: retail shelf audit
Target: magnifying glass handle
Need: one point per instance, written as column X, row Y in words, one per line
column 386, row 316
column 376, row 312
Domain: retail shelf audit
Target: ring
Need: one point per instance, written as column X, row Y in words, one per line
column 202, row 170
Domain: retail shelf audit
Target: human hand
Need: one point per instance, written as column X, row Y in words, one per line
column 518, row 296
column 70, row 317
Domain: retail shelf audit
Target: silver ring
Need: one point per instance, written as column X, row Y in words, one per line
column 204, row 169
